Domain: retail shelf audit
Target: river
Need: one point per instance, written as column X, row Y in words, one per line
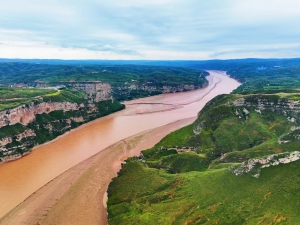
column 21, row 178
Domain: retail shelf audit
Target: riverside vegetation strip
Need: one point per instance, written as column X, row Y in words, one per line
column 170, row 186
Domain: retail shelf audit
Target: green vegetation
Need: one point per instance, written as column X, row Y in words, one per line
column 113, row 74
column 142, row 195
column 11, row 130
column 66, row 95
column 170, row 186
column 58, row 128
column 53, row 94
column 49, row 126
column 268, row 80
column 11, row 93
column 19, row 88
column 13, row 103
column 13, row 97
column 127, row 81
column 184, row 179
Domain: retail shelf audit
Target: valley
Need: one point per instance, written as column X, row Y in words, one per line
column 65, row 152
column 236, row 164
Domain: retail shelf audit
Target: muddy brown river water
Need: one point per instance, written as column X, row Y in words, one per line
column 20, row 178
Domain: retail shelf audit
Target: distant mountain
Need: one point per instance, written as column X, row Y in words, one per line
column 196, row 64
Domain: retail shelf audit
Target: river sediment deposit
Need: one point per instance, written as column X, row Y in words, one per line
column 64, row 181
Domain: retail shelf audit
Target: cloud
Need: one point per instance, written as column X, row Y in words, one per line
column 156, row 29
column 109, row 48
column 270, row 51
column 266, row 11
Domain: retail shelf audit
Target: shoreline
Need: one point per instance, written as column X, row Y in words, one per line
column 44, row 205
column 82, row 126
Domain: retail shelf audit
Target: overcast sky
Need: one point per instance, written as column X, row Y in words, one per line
column 149, row 29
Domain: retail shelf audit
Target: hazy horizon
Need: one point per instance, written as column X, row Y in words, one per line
column 149, row 30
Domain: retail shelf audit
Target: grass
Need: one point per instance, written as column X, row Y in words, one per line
column 53, row 94
column 211, row 197
column 10, row 93
column 66, row 95
column 13, row 103
column 13, row 97
column 166, row 187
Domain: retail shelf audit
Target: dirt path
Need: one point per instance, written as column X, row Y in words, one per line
column 77, row 196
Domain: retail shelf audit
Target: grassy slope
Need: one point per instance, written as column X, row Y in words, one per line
column 188, row 188
column 9, row 93
column 149, row 196
column 270, row 80
column 13, row 97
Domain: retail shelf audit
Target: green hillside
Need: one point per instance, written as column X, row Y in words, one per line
column 16, row 72
column 189, row 177
column 13, row 97
column 143, row 195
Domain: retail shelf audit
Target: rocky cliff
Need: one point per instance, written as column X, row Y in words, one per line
column 44, row 119
column 25, row 114
column 130, row 91
column 96, row 91
column 230, row 124
column 74, row 103
column 241, row 106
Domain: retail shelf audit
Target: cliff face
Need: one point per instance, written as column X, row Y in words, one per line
column 21, row 135
column 96, row 91
column 284, row 106
column 233, row 123
column 162, row 89
column 99, row 91
column 30, row 124
column 130, row 91
column 241, row 107
column 25, row 114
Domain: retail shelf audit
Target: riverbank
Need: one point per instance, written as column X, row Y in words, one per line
column 23, row 177
column 70, row 198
